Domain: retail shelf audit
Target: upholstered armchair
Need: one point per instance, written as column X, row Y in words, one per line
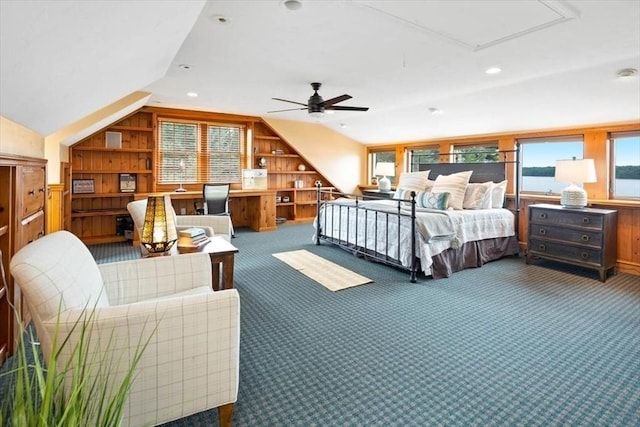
column 191, row 361
column 212, row 225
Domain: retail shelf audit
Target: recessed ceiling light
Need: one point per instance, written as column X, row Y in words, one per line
column 184, row 66
column 343, row 125
column 291, row 4
column 220, row 19
column 627, row 73
column 435, row 111
column 192, row 94
column 493, row 70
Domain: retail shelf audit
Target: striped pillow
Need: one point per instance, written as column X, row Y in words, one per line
column 456, row 184
column 416, row 181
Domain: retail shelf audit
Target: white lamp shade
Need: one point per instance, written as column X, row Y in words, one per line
column 576, row 171
column 385, row 169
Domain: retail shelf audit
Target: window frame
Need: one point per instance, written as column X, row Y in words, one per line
column 574, row 138
column 202, row 174
column 612, row 163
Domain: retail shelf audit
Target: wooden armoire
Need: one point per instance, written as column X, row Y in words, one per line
column 23, row 195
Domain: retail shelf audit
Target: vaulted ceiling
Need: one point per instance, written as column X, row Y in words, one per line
column 63, row 60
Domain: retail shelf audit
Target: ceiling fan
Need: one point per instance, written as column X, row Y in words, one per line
column 317, row 106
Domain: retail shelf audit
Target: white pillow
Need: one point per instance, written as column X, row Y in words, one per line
column 497, row 194
column 416, row 181
column 454, row 184
column 478, row 196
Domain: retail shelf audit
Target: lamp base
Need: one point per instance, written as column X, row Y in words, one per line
column 384, row 184
column 573, row 197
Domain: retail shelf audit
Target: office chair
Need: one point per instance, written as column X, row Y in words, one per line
column 216, row 201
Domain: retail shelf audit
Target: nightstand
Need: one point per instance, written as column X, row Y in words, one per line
column 585, row 237
column 378, row 194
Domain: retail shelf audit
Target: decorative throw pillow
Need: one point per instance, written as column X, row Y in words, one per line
column 455, row 184
column 497, row 194
column 425, row 199
column 478, row 196
column 416, row 181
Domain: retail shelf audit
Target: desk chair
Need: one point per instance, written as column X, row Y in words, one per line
column 216, row 201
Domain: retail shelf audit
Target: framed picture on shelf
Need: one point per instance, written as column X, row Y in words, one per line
column 83, row 186
column 127, row 182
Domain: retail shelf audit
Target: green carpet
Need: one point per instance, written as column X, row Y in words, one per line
column 508, row 344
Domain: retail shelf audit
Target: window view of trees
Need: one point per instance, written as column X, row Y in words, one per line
column 420, row 158
column 538, row 162
column 476, row 153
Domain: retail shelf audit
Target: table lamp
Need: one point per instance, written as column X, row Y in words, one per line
column 159, row 229
column 385, row 169
column 575, row 172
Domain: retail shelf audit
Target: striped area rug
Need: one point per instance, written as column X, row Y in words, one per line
column 328, row 274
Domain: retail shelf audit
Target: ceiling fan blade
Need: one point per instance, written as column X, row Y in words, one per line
column 289, row 109
column 286, row 100
column 338, row 107
column 330, row 102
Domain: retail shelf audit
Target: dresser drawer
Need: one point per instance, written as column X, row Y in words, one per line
column 32, row 194
column 570, row 235
column 571, row 218
column 576, row 254
column 31, row 228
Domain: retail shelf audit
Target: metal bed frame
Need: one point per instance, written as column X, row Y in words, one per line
column 482, row 172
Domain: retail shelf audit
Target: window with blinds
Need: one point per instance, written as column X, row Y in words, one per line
column 199, row 152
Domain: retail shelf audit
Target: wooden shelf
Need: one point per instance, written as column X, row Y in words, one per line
column 296, row 172
column 285, row 204
column 276, row 155
column 3, row 230
column 144, row 171
column 114, row 150
column 273, row 138
column 101, row 195
column 97, row 212
column 306, row 202
column 136, row 128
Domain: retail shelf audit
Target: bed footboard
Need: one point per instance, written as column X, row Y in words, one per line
column 369, row 230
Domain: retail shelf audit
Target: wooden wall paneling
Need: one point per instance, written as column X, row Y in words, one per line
column 55, row 208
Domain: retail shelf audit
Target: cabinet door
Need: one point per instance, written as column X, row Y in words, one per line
column 31, row 195
column 31, row 228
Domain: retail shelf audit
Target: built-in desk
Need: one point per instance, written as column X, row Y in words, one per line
column 255, row 209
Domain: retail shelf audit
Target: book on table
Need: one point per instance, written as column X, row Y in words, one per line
column 192, row 239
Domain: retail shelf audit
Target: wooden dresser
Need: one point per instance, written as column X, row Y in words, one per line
column 23, row 194
column 584, row 237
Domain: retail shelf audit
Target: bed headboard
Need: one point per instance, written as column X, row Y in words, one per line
column 482, row 172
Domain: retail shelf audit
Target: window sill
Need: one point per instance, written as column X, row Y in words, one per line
column 591, row 202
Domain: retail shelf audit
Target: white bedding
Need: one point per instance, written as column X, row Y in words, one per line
column 436, row 231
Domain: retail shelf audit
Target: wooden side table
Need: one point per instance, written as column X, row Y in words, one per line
column 578, row 236
column 222, row 254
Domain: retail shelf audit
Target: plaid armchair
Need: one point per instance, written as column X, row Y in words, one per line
column 191, row 362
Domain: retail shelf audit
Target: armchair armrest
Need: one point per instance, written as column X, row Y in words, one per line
column 221, row 224
column 191, row 359
column 126, row 282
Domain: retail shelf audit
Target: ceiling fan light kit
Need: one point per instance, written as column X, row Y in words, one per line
column 316, row 105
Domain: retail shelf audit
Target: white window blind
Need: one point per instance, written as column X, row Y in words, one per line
column 199, row 152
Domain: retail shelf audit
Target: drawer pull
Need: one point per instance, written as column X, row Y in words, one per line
column 31, row 192
column 542, row 247
column 584, row 255
column 41, row 190
column 543, row 231
column 543, row 215
column 585, row 238
column 585, row 220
